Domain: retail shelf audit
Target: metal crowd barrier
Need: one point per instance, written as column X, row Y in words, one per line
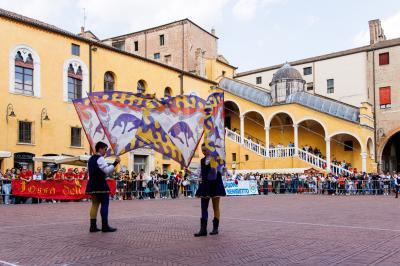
column 125, row 190
column 130, row 189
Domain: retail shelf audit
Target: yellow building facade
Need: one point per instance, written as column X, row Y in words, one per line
column 52, row 55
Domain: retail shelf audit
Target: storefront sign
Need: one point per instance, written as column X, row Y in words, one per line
column 59, row 190
column 247, row 187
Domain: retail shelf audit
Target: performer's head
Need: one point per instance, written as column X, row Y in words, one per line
column 101, row 148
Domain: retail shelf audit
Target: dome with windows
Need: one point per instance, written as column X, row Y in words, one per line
column 286, row 81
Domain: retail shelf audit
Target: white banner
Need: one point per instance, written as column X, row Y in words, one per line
column 247, row 187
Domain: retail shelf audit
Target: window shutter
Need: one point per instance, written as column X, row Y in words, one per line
column 384, row 59
column 384, row 95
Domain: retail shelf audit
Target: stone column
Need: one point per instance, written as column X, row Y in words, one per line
column 328, row 154
column 296, row 139
column 364, row 162
column 267, row 140
column 242, row 128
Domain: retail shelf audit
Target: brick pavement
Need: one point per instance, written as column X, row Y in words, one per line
column 258, row 230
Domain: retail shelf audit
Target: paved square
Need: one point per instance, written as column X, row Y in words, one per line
column 258, row 230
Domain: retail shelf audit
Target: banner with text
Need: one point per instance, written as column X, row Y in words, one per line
column 58, row 190
column 241, row 188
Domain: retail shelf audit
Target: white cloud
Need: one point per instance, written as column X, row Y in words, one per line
column 391, row 28
column 247, row 9
column 311, row 20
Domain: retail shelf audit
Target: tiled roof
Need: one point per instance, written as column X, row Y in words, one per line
column 318, row 103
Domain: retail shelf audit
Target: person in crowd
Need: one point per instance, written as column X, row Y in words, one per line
column 37, row 176
column 58, row 175
column 386, row 184
column 134, row 185
column 172, row 184
column 98, row 188
column 209, row 188
column 69, row 175
column 47, row 174
column 193, row 184
column 397, row 185
column 163, row 185
column 186, row 185
column 264, row 179
column 83, row 174
column 177, row 187
column 150, row 185
column 156, row 181
column 5, row 182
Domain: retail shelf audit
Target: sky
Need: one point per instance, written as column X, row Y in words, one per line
column 252, row 33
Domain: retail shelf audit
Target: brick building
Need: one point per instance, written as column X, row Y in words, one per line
column 181, row 44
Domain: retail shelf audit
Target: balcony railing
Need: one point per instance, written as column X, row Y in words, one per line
column 284, row 152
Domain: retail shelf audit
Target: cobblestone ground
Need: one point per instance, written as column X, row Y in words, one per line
column 258, row 230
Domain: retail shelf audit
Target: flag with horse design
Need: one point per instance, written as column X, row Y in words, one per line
column 91, row 124
column 174, row 126
column 121, row 116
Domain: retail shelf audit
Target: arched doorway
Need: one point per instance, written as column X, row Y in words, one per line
column 312, row 137
column 141, row 86
column 391, row 154
column 232, row 116
column 281, row 131
column 254, row 125
column 109, row 81
column 167, row 92
column 346, row 151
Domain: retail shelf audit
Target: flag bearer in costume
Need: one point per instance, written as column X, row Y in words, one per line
column 98, row 188
column 209, row 188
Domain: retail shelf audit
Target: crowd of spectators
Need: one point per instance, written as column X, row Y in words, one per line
column 175, row 184
column 317, row 183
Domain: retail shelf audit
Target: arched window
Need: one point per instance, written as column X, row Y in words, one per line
column 24, row 71
column 109, row 81
column 141, row 86
column 167, row 92
column 74, row 83
column 75, row 79
column 24, row 74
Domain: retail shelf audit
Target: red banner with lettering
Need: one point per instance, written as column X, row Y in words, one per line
column 55, row 189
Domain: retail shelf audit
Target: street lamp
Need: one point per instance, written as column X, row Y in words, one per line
column 10, row 111
column 43, row 116
column 214, row 87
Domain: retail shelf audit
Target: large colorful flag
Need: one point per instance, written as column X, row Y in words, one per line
column 91, row 124
column 174, row 126
column 214, row 133
column 121, row 115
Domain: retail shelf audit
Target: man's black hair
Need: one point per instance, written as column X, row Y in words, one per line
column 100, row 145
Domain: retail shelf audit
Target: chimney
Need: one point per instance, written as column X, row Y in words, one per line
column 213, row 31
column 82, row 30
column 376, row 33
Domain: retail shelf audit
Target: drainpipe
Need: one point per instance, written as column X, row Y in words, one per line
column 90, row 67
column 183, row 56
column 374, row 94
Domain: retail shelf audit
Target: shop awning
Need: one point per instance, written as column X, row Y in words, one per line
column 5, row 154
column 80, row 160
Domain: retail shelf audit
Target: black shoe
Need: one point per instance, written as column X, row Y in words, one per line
column 105, row 228
column 93, row 226
column 203, row 228
column 215, row 227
